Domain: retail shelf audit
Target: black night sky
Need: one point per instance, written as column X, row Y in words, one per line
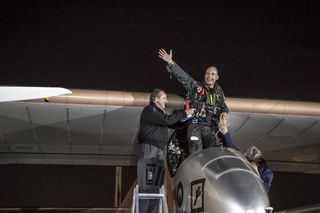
column 263, row 49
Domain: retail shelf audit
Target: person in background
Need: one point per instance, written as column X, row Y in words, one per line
column 253, row 155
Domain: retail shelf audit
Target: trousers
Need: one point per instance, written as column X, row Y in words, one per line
column 201, row 137
column 150, row 170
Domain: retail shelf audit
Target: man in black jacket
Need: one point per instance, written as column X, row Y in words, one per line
column 207, row 98
column 153, row 135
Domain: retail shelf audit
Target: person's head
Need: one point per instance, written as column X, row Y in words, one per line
column 253, row 154
column 211, row 76
column 159, row 98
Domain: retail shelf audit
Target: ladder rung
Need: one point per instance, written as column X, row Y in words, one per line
column 143, row 196
column 150, row 195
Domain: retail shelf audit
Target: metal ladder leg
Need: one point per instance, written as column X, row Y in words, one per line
column 164, row 199
column 135, row 199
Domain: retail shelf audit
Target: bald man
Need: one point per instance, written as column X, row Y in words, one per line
column 207, row 98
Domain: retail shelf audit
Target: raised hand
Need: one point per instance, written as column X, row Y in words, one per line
column 165, row 56
column 223, row 123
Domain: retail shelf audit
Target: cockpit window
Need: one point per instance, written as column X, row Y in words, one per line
column 219, row 165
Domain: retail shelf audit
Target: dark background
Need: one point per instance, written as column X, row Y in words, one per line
column 263, row 49
column 61, row 186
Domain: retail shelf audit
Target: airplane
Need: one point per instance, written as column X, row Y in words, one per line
column 95, row 127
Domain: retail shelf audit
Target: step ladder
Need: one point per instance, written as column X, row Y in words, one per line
column 161, row 196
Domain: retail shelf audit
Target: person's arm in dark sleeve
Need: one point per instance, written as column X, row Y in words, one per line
column 159, row 118
column 222, row 103
column 224, row 107
column 228, row 141
column 184, row 78
column 225, row 136
column 267, row 178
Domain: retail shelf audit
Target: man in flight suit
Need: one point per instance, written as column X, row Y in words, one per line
column 207, row 98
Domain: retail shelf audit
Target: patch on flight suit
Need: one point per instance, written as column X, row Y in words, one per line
column 211, row 99
column 194, row 138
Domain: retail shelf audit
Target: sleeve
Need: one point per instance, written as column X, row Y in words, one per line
column 223, row 105
column 184, row 78
column 267, row 177
column 228, row 141
column 159, row 118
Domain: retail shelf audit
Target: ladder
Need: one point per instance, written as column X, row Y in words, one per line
column 161, row 196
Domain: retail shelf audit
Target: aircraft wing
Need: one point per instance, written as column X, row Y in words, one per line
column 12, row 93
column 100, row 128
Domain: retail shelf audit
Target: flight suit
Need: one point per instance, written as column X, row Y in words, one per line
column 209, row 104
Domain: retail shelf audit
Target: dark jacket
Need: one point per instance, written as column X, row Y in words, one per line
column 154, row 125
column 265, row 172
column 217, row 103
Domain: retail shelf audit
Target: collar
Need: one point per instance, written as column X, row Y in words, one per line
column 205, row 85
column 155, row 106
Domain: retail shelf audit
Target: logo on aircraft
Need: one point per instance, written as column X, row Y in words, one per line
column 197, row 195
